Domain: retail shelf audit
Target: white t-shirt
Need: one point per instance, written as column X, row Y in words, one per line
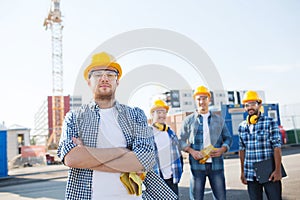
column 206, row 135
column 251, row 128
column 163, row 144
column 108, row 185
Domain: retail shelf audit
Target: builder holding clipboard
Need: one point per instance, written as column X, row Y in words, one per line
column 260, row 151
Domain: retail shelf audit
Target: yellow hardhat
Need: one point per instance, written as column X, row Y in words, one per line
column 102, row 59
column 251, row 95
column 201, row 90
column 159, row 104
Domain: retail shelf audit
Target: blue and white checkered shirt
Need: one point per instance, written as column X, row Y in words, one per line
column 259, row 144
column 84, row 123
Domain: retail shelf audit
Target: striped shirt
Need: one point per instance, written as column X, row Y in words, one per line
column 258, row 144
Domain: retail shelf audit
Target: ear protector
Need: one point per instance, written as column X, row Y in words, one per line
column 161, row 127
column 252, row 119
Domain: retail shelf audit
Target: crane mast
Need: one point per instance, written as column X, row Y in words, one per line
column 54, row 23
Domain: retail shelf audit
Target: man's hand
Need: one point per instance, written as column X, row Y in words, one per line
column 217, row 152
column 243, row 179
column 197, row 155
column 275, row 176
column 77, row 141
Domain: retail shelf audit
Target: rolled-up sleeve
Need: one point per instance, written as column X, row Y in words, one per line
column 275, row 134
column 143, row 144
column 241, row 142
column 184, row 135
column 227, row 139
column 69, row 130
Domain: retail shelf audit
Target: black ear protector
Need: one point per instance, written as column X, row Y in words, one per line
column 161, row 127
column 252, row 119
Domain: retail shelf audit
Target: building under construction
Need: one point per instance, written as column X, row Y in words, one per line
column 43, row 131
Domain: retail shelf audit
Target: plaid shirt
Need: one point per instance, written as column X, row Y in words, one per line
column 176, row 157
column 84, row 123
column 192, row 135
column 258, row 145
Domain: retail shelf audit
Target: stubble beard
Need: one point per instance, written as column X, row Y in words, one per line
column 254, row 112
column 104, row 97
column 202, row 109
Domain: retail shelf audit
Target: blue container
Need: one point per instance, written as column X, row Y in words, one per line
column 233, row 115
column 3, row 153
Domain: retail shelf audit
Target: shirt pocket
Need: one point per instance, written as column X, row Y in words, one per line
column 262, row 136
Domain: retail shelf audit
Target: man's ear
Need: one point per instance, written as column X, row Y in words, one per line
column 89, row 82
column 118, row 82
column 209, row 101
column 152, row 115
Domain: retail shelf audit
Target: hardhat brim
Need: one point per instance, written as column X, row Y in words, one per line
column 101, row 64
column 156, row 108
column 204, row 93
column 247, row 100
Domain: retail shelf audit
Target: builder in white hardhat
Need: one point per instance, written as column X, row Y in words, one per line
column 205, row 137
column 103, row 141
column 170, row 163
column 259, row 140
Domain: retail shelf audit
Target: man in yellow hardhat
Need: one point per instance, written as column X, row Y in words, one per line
column 170, row 163
column 259, row 140
column 205, row 137
column 104, row 139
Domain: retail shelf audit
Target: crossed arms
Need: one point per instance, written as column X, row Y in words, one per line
column 102, row 159
column 78, row 150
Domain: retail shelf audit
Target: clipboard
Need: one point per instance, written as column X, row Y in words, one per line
column 265, row 168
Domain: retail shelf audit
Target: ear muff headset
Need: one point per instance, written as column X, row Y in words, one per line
column 252, row 119
column 161, row 127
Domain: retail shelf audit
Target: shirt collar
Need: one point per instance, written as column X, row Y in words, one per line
column 200, row 115
column 95, row 107
column 206, row 115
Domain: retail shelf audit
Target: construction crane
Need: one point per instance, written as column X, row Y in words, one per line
column 54, row 23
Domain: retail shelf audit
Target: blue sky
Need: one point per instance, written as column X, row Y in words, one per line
column 253, row 44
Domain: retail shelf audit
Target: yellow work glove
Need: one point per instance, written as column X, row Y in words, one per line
column 161, row 127
column 125, row 180
column 206, row 153
column 133, row 182
column 136, row 183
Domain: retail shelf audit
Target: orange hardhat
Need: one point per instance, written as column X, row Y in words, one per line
column 251, row 95
column 201, row 90
column 102, row 59
column 159, row 104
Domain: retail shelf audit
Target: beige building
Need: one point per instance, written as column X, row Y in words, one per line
column 17, row 136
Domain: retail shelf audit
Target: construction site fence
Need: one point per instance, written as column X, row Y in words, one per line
column 291, row 124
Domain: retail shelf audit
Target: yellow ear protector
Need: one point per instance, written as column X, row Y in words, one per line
column 252, row 119
column 161, row 127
